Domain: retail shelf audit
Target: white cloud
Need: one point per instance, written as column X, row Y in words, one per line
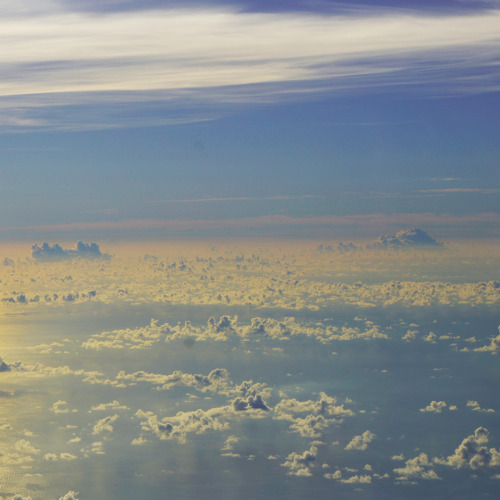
column 105, row 425
column 75, row 58
column 475, row 406
column 300, row 464
column 114, row 405
column 71, row 495
column 25, row 446
column 60, row 407
column 418, row 467
column 473, row 453
column 493, row 346
column 361, row 442
column 184, row 423
column 434, row 407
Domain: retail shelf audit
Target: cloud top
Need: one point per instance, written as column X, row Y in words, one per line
column 403, row 239
column 46, row 252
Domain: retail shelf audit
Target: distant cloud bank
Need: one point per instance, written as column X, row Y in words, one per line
column 47, row 252
column 410, row 238
column 402, row 239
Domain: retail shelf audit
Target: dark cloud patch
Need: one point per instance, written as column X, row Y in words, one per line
column 4, row 367
column 55, row 252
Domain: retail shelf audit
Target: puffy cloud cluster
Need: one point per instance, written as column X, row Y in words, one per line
column 434, row 407
column 293, row 281
column 404, row 239
column 320, row 414
column 419, row 467
column 184, row 423
column 217, row 381
column 475, row 406
column 105, row 425
column 473, row 453
column 493, row 346
column 71, row 495
column 300, row 464
column 55, row 252
column 227, row 327
column 360, row 442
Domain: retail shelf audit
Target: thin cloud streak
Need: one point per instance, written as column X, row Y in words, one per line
column 460, row 190
column 240, row 198
column 68, row 57
column 327, row 226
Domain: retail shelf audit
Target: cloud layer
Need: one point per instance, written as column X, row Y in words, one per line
column 186, row 55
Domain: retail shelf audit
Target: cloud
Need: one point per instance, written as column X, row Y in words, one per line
column 300, row 464
column 114, row 405
column 4, row 367
column 53, row 457
column 266, row 59
column 434, row 406
column 217, row 380
column 249, row 403
column 105, row 425
column 331, row 226
column 60, row 407
column 184, row 423
column 416, row 468
column 361, row 442
column 473, row 453
column 475, row 406
column 357, row 479
column 56, row 252
column 230, row 442
column 71, row 495
column 493, row 346
column 25, row 446
column 321, row 414
column 404, row 239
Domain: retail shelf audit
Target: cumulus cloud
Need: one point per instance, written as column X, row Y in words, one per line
column 249, row 403
column 405, row 239
column 300, row 464
column 55, row 252
column 473, row 453
column 25, row 446
column 71, row 495
column 105, row 425
column 434, row 407
column 321, row 413
column 419, row 467
column 218, row 380
column 54, row 457
column 493, row 346
column 358, row 479
column 184, row 423
column 60, row 407
column 114, row 405
column 361, row 442
column 475, row 406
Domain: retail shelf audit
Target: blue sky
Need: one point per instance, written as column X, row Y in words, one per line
column 115, row 112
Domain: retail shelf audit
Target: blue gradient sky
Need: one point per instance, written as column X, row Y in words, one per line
column 114, row 113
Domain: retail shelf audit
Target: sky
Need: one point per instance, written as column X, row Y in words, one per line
column 125, row 119
column 249, row 249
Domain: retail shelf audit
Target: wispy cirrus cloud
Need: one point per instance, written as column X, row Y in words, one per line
column 195, row 59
